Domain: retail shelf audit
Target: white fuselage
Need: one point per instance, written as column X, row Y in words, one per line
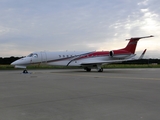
column 66, row 58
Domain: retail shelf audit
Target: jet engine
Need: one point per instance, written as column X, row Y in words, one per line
column 119, row 54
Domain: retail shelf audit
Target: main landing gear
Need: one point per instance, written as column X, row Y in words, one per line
column 88, row 69
column 99, row 69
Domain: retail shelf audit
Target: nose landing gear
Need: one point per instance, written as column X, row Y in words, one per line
column 25, row 71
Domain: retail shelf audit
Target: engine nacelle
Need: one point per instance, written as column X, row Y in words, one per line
column 119, row 54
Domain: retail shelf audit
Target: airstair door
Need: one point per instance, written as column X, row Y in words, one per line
column 43, row 57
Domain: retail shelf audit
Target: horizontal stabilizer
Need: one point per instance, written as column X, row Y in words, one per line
column 137, row 38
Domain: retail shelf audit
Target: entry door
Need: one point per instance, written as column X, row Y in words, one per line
column 43, row 57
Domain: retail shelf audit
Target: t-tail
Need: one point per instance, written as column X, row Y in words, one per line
column 131, row 46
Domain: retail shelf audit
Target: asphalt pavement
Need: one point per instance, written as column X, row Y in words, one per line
column 73, row 94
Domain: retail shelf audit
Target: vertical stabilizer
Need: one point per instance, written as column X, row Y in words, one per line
column 131, row 46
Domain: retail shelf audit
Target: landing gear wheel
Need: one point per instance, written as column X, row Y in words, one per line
column 25, row 71
column 88, row 69
column 100, row 70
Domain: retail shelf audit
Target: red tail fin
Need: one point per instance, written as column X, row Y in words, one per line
column 131, row 46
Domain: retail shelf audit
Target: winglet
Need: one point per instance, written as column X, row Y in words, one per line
column 142, row 54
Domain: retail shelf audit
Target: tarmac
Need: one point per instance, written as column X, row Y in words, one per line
column 73, row 94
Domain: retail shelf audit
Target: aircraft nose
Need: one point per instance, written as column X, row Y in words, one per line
column 14, row 63
column 18, row 62
column 22, row 61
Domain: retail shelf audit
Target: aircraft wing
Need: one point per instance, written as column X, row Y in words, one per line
column 95, row 62
column 103, row 62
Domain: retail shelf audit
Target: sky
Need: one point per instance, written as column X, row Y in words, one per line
column 78, row 25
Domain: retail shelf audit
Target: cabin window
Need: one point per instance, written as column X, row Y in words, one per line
column 63, row 55
column 60, row 56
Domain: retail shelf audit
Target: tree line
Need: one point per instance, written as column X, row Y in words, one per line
column 143, row 61
column 9, row 60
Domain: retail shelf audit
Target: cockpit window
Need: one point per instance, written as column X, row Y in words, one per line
column 33, row 55
column 30, row 55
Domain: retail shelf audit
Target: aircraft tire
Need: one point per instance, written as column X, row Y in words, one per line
column 100, row 70
column 25, row 71
column 88, row 69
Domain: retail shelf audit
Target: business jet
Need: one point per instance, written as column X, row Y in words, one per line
column 87, row 60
